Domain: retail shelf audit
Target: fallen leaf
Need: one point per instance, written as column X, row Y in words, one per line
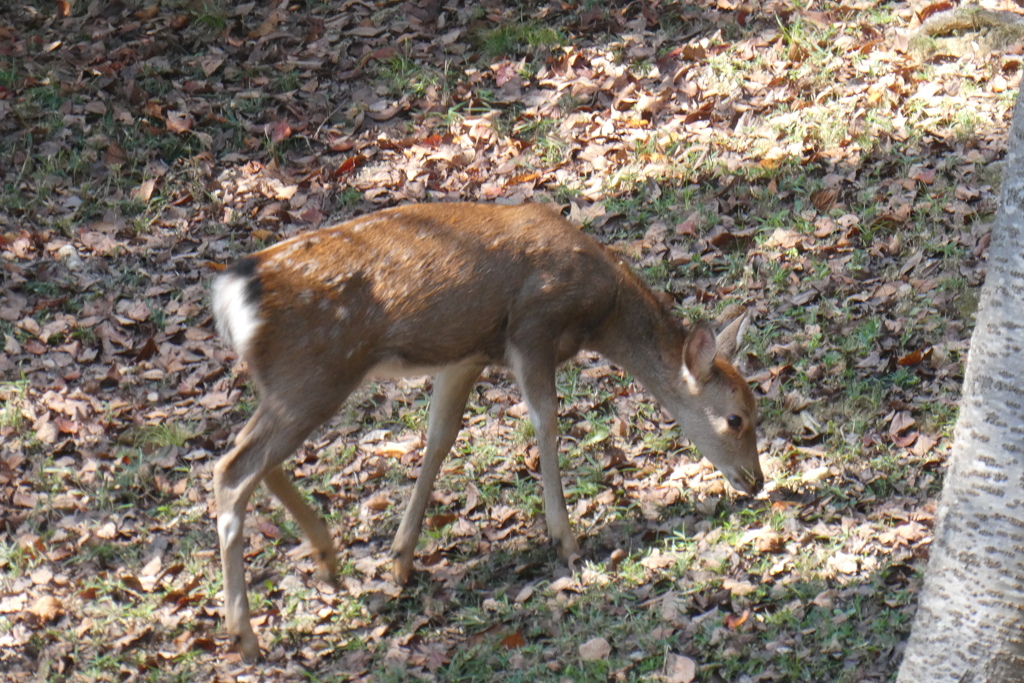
column 268, row 26
column 924, row 175
column 47, row 608
column 178, row 122
column 268, row 528
column 524, row 594
column 41, row 576
column 616, row 558
column 901, row 422
column 106, row 531
column 595, row 649
column 734, row 621
column 912, row 358
column 739, row 588
column 435, row 522
column 679, row 669
column 658, row 560
column 144, row 192
column 280, row 130
column 513, row 641
column 378, row 501
column 350, row 164
column 825, row 199
column 211, row 62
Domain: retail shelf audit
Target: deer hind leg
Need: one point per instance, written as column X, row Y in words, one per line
column 266, row 440
column 447, row 405
column 311, row 523
column 536, row 375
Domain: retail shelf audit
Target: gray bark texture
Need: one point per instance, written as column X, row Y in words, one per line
column 970, row 620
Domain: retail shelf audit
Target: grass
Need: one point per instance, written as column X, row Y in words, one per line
column 14, row 395
column 516, row 38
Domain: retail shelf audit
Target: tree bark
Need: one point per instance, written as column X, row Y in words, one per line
column 970, row 620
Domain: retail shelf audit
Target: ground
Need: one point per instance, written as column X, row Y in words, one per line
column 798, row 160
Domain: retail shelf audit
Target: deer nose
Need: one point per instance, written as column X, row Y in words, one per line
column 754, row 482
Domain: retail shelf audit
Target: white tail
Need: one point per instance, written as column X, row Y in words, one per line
column 447, row 289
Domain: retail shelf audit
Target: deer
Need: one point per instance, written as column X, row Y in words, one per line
column 446, row 289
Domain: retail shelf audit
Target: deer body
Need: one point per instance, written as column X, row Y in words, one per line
column 446, row 289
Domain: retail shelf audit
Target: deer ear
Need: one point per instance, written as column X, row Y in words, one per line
column 698, row 353
column 729, row 339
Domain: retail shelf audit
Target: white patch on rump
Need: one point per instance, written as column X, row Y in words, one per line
column 237, row 318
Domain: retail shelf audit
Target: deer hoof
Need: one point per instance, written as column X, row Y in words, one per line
column 402, row 570
column 327, row 570
column 248, row 647
column 568, row 548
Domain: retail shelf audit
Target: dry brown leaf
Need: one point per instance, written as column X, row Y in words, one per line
column 152, row 568
column 739, row 588
column 378, row 501
column 924, row 175
column 769, row 542
column 616, row 558
column 734, row 621
column 923, row 445
column 178, row 122
column 788, row 239
column 211, row 62
column 268, row 528
column 106, row 531
column 84, row 627
column 25, row 499
column 901, row 421
column 564, row 583
column 41, row 576
column 824, row 199
column 472, row 498
column 47, row 609
column 595, row 649
column 144, row 192
column 397, row 449
column 679, row 669
column 513, row 641
column 435, row 522
column 844, row 563
column 658, row 560
column 279, row 131
column 268, row 26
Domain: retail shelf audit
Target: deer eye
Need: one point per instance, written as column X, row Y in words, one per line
column 735, row 422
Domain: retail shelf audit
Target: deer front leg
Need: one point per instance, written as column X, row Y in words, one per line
column 311, row 523
column 448, row 403
column 537, row 380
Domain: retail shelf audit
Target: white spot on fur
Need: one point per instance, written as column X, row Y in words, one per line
column 228, row 528
column 237, row 318
column 690, row 381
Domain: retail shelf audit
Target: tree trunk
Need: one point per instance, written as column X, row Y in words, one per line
column 970, row 622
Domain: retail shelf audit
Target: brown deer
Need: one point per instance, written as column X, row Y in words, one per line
column 446, row 289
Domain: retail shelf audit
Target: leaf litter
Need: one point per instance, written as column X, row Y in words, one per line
column 801, row 162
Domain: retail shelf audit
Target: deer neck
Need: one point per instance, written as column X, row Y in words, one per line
column 642, row 337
